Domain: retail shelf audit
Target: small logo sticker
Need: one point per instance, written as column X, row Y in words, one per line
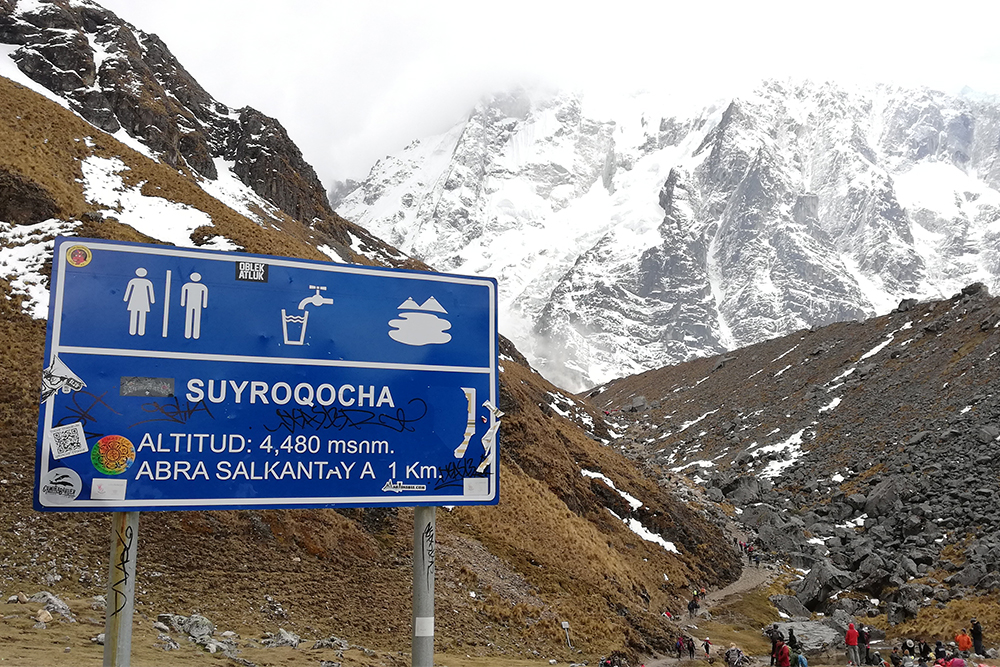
column 107, row 489
column 112, row 454
column 255, row 272
column 59, row 486
column 79, row 256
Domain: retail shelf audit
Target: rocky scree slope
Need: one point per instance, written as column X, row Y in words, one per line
column 867, row 454
column 628, row 236
column 126, row 83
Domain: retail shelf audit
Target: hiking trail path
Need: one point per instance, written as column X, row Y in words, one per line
column 751, row 577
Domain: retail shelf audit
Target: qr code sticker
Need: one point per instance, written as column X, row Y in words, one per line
column 67, row 440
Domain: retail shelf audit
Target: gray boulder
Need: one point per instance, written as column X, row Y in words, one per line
column 54, row 605
column 174, row 621
column 198, row 626
column 761, row 514
column 884, row 499
column 816, row 639
column 743, row 490
column 822, row 581
column 857, row 500
column 790, row 606
column 280, row 638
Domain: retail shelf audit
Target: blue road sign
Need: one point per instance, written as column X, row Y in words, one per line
column 191, row 379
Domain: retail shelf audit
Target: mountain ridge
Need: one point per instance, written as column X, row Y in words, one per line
column 638, row 238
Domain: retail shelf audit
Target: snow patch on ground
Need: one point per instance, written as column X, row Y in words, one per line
column 791, row 448
column 831, row 405
column 235, row 194
column 23, row 251
column 686, row 425
column 633, row 502
column 157, row 217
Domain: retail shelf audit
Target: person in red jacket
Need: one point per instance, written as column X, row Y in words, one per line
column 851, row 639
column 782, row 656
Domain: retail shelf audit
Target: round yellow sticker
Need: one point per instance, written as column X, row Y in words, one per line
column 78, row 256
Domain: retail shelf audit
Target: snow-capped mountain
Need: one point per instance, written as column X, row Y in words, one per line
column 635, row 237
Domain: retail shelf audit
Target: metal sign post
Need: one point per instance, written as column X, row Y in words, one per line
column 424, row 538
column 121, row 589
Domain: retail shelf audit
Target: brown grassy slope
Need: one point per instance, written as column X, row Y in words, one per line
column 43, row 144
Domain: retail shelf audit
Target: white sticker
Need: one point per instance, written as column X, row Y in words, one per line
column 423, row 626
column 59, row 486
column 107, row 489
column 476, row 487
column 67, row 440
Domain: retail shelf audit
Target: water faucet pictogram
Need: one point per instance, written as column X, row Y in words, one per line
column 316, row 299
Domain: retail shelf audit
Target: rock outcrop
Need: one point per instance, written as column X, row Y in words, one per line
column 122, row 79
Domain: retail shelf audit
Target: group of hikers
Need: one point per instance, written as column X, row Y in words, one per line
column 785, row 653
column 957, row 653
column 789, row 652
column 749, row 550
column 919, row 653
column 687, row 643
column 859, row 652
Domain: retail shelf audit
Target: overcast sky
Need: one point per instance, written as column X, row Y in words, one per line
column 353, row 81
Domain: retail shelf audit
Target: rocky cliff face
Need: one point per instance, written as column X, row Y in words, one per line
column 198, row 172
column 124, row 80
column 632, row 238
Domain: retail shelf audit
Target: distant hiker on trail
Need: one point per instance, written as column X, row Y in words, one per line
column 707, row 645
column 925, row 650
column 977, row 637
column 939, row 651
column 863, row 646
column 783, row 657
column 963, row 641
column 693, row 607
column 750, row 555
column 851, row 639
column 756, row 559
column 679, row 645
column 793, row 641
column 690, row 647
column 734, row 656
column 774, row 634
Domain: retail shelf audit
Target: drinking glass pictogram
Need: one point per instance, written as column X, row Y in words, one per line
column 289, row 324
